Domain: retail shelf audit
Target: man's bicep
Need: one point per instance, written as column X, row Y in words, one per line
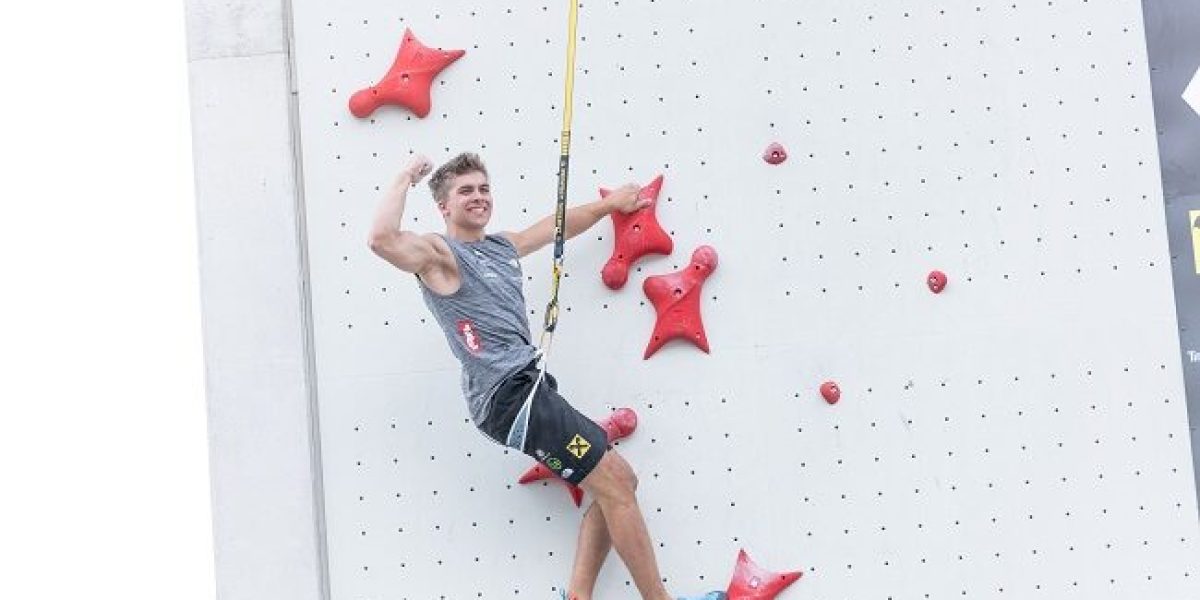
column 406, row 250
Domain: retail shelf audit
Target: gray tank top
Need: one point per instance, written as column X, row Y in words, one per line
column 484, row 320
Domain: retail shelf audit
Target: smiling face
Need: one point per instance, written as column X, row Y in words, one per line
column 467, row 205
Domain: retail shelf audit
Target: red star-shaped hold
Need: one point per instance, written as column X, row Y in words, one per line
column 619, row 425
column 637, row 234
column 407, row 83
column 752, row 582
column 676, row 297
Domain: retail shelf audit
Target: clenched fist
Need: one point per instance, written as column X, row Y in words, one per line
column 417, row 169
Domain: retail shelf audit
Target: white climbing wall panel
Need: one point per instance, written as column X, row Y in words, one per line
column 1021, row 435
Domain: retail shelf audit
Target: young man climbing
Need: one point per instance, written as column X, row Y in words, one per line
column 471, row 282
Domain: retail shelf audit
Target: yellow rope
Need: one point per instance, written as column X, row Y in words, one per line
column 560, row 214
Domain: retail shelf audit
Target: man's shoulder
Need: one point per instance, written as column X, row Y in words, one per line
column 509, row 238
column 437, row 239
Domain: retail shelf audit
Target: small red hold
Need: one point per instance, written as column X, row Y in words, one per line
column 775, row 153
column 408, row 80
column 831, row 392
column 937, row 281
column 618, row 425
column 676, row 298
column 636, row 235
column 752, row 582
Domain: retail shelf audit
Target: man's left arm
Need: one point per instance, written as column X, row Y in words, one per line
column 578, row 219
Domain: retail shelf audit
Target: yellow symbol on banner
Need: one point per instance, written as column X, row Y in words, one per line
column 578, row 446
column 1194, row 223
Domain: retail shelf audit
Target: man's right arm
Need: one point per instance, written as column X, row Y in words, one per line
column 409, row 251
column 406, row 250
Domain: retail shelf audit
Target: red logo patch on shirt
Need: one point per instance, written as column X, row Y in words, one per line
column 469, row 336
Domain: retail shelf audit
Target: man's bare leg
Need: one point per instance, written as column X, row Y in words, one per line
column 590, row 554
column 612, row 484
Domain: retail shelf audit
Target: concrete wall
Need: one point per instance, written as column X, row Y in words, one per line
column 266, row 511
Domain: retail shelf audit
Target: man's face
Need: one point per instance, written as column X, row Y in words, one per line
column 469, row 202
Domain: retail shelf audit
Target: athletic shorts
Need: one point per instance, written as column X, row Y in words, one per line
column 558, row 436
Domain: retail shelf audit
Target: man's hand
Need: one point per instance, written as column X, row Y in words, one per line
column 625, row 199
column 417, row 169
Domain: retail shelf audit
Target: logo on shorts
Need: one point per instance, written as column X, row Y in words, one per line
column 470, row 338
column 553, row 463
column 578, row 446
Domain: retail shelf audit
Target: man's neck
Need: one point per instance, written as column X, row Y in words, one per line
column 466, row 235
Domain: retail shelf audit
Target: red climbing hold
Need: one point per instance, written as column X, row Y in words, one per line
column 676, row 297
column 831, row 392
column 637, row 234
column 775, row 153
column 408, row 81
column 618, row 425
column 937, row 281
column 752, row 582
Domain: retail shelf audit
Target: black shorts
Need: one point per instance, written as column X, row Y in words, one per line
column 558, row 436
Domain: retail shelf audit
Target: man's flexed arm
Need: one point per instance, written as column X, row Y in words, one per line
column 578, row 219
column 405, row 249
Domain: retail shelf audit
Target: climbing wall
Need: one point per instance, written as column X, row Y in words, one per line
column 1022, row 434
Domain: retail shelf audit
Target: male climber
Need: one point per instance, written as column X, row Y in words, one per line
column 471, row 281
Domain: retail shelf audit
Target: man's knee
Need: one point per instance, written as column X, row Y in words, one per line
column 612, row 478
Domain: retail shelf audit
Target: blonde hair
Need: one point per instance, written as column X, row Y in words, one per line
column 467, row 162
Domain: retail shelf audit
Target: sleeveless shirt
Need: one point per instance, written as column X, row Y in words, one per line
column 484, row 320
